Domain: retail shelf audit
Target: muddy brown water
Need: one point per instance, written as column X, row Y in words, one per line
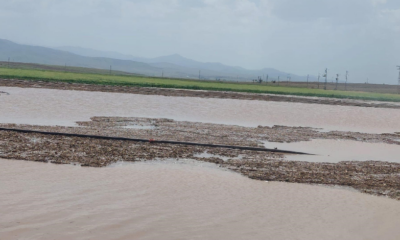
column 62, row 107
column 179, row 201
column 175, row 200
column 334, row 151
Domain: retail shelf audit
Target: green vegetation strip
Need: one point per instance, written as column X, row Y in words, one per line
column 42, row 75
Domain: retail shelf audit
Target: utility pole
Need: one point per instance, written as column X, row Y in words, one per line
column 326, row 78
column 398, row 87
column 9, row 62
column 337, row 81
column 278, row 80
column 110, row 69
column 199, row 74
column 319, row 75
column 345, row 84
column 307, row 79
column 162, row 74
column 266, row 80
column 65, row 68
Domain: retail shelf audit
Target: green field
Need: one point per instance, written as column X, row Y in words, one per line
column 46, row 75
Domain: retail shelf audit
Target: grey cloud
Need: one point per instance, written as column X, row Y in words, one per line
column 291, row 35
column 337, row 11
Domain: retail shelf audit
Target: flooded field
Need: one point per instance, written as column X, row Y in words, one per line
column 334, row 151
column 180, row 201
column 62, row 107
column 193, row 198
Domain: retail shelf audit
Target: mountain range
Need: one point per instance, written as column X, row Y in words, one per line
column 167, row 66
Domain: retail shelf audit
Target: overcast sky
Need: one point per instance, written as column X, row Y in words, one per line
column 297, row 36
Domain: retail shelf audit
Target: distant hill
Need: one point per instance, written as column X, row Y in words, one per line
column 42, row 55
column 87, row 52
column 167, row 66
column 176, row 64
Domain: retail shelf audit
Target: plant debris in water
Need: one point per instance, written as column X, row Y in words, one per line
column 373, row 177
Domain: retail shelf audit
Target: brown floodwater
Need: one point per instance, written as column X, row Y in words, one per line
column 179, row 201
column 61, row 107
column 334, row 151
column 183, row 199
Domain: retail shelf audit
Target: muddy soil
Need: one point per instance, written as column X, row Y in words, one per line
column 373, row 177
column 170, row 130
column 191, row 93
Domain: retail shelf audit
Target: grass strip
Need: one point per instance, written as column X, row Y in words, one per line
column 138, row 81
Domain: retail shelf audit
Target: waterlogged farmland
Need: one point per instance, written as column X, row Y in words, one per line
column 161, row 173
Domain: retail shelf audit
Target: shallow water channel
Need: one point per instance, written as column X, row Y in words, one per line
column 334, row 151
column 62, row 107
